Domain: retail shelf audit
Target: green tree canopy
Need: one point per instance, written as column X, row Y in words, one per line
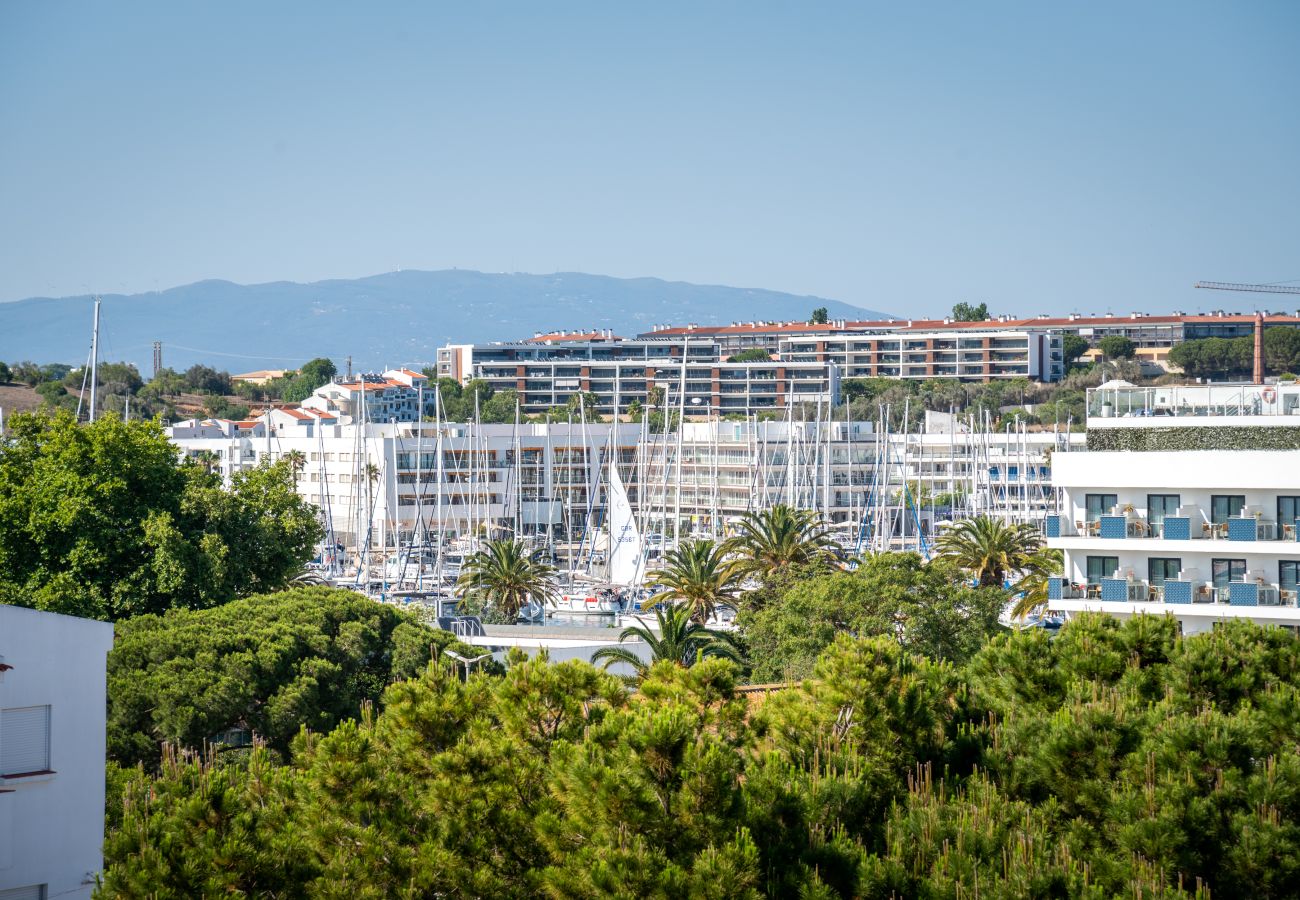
column 1116, row 346
column 820, row 316
column 269, row 664
column 966, row 312
column 1281, row 349
column 1214, row 357
column 927, row 608
column 1115, row 760
column 753, row 354
column 106, row 521
column 1072, row 347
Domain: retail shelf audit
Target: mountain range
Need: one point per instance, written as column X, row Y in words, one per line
column 381, row 320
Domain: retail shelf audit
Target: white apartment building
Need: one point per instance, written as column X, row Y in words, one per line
column 886, row 487
column 382, row 483
column 52, row 753
column 1186, row 502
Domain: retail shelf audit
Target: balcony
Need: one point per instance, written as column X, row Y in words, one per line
column 1177, row 592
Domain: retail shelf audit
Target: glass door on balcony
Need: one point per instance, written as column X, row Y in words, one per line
column 1159, row 506
column 1161, row 568
column 1226, row 506
column 1288, row 510
column 1227, row 570
column 1288, row 574
column 1099, row 567
column 1098, row 505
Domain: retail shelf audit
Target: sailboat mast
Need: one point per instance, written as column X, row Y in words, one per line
column 94, row 361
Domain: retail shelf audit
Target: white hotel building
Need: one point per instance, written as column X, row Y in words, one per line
column 1186, row 502
column 52, row 751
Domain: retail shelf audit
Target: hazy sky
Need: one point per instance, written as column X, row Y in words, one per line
column 1044, row 157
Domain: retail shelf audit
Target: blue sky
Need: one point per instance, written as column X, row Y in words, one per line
column 1042, row 157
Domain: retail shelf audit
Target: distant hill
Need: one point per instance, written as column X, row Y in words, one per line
column 399, row 317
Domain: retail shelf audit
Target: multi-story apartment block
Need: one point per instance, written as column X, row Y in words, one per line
column 694, row 368
column 52, row 753
column 1147, row 331
column 687, row 374
column 381, row 483
column 1186, row 502
column 394, row 396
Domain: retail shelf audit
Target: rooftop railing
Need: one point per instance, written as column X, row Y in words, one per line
column 1193, row 401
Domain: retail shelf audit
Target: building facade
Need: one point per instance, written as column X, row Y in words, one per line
column 52, row 753
column 1186, row 502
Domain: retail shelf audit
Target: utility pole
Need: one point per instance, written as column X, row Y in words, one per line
column 349, row 378
column 157, row 358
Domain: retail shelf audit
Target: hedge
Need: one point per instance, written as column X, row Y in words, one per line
column 1194, row 438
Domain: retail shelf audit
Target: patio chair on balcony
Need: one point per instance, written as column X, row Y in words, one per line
column 1206, row 530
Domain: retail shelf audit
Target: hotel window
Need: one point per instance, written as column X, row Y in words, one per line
column 24, row 740
column 1226, row 571
column 1098, row 505
column 1161, row 505
column 1099, row 567
column 1226, row 506
column 1162, row 569
column 1288, row 574
column 1288, row 509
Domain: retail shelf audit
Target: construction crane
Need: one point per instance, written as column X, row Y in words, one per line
column 1259, row 316
column 1254, row 288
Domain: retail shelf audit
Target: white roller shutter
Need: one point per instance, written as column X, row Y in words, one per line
column 24, row 741
column 31, row 892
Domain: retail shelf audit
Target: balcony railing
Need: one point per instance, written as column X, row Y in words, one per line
column 1173, row 591
column 1173, row 528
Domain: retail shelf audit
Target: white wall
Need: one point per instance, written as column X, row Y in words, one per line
column 52, row 826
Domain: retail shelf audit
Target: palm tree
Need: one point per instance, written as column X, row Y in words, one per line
column 503, row 575
column 679, row 639
column 779, row 537
column 988, row 549
column 297, row 462
column 1034, row 575
column 697, row 576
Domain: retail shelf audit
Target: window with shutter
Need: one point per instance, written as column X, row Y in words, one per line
column 24, row 741
column 31, row 892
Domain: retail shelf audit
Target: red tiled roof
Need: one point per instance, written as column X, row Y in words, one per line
column 560, row 336
column 941, row 325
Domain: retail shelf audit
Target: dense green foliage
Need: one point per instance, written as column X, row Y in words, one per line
column 269, row 664
column 1221, row 358
column 1116, row 346
column 698, row 577
column 967, row 312
column 927, row 608
column 990, row 549
column 771, row 540
column 1072, row 347
column 501, row 578
column 820, row 316
column 753, row 354
column 105, row 521
column 1115, row 760
column 1192, row 438
column 676, row 638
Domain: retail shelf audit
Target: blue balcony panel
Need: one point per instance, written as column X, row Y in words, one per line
column 1178, row 591
column 1054, row 587
column 1177, row 528
column 1243, row 593
column 1242, row 530
column 1052, row 527
column 1114, row 590
column 1114, row 527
